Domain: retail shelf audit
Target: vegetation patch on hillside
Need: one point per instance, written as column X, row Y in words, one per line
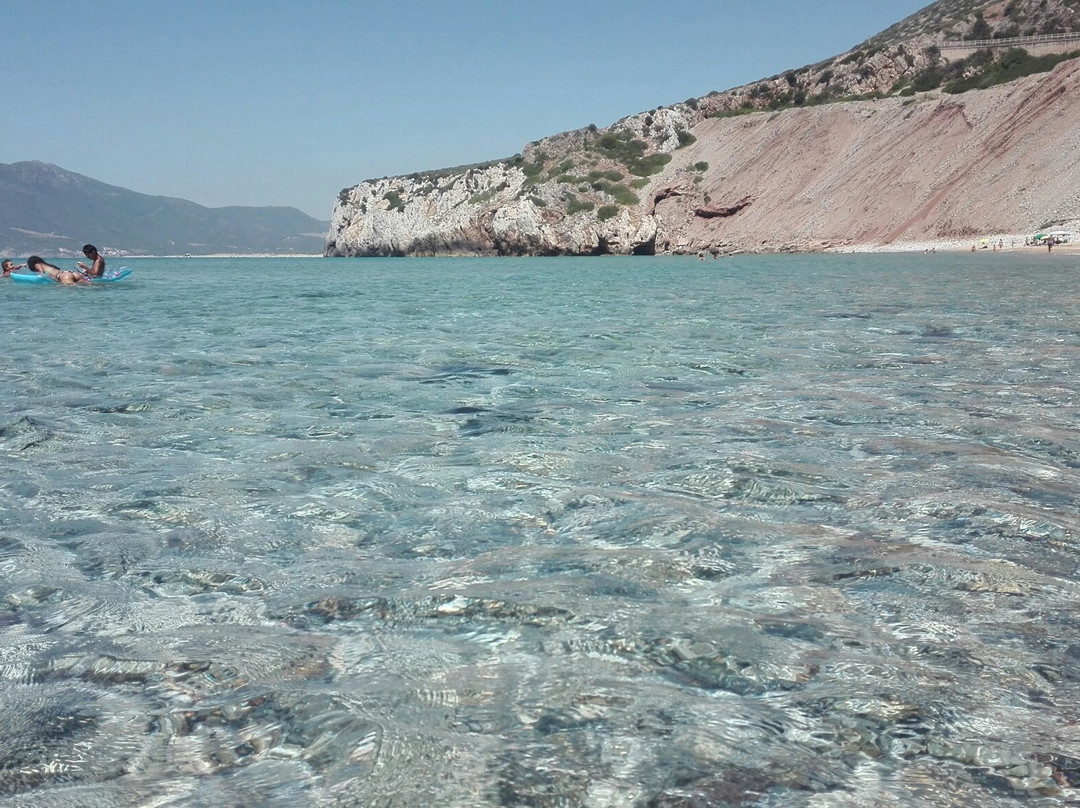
column 910, row 57
column 1015, row 63
column 622, row 147
column 574, row 205
column 488, row 195
column 620, row 193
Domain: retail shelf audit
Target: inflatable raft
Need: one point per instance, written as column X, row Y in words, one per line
column 34, row 277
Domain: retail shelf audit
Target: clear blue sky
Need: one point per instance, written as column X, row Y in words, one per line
column 285, row 102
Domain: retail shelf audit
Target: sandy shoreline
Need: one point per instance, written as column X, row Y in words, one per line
column 998, row 242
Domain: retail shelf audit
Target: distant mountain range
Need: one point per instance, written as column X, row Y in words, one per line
column 47, row 210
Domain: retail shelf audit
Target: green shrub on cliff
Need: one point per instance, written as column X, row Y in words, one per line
column 981, row 29
column 981, row 70
column 929, row 78
column 620, row 193
column 1015, row 63
column 623, row 148
column 560, row 168
column 577, row 206
column 685, row 138
column 488, row 195
column 607, row 212
column 647, row 166
column 620, row 146
column 734, row 113
column 534, row 168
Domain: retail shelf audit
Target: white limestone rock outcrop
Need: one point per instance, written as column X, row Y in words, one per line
column 484, row 210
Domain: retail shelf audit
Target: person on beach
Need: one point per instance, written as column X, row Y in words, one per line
column 97, row 263
column 8, row 266
column 36, row 264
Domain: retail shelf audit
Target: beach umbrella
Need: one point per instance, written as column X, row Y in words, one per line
column 1040, row 236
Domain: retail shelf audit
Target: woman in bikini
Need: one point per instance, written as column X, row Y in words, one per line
column 36, row 264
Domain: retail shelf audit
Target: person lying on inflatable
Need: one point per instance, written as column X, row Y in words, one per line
column 35, row 264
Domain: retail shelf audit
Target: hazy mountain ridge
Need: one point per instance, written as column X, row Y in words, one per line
column 52, row 211
column 659, row 181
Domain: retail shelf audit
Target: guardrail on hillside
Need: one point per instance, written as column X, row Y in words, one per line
column 1015, row 41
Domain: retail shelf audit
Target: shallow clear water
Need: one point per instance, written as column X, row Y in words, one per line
column 787, row 531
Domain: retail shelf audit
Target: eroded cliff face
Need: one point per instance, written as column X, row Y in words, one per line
column 549, row 201
column 479, row 211
column 928, row 166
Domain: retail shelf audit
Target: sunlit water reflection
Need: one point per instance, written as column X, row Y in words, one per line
column 791, row 531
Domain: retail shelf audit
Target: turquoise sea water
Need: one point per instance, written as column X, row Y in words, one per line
column 764, row 531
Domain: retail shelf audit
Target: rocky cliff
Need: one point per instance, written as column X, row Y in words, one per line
column 783, row 164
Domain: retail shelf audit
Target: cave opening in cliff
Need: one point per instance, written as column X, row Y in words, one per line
column 602, row 247
column 646, row 248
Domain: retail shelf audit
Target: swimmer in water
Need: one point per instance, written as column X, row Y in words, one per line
column 97, row 263
column 8, row 266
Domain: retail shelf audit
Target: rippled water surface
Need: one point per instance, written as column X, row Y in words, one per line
column 789, row 531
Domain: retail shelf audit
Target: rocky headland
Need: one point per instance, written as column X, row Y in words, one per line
column 893, row 144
